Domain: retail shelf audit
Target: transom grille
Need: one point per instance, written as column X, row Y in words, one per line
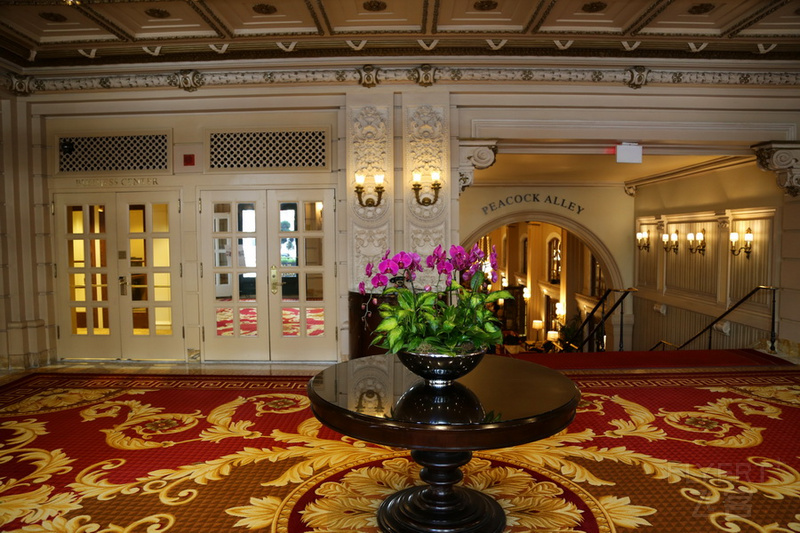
column 119, row 153
column 285, row 149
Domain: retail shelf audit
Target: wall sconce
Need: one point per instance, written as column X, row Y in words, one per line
column 748, row 243
column 697, row 243
column 670, row 242
column 435, row 186
column 643, row 240
column 369, row 202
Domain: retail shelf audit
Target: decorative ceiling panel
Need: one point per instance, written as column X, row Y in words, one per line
column 83, row 33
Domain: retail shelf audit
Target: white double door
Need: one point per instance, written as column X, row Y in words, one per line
column 268, row 275
column 118, row 276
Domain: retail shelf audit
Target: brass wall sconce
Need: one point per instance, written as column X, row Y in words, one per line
column 670, row 242
column 748, row 243
column 435, row 186
column 371, row 201
column 697, row 243
column 643, row 240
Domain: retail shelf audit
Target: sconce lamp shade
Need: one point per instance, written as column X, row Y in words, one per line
column 552, row 335
column 537, row 325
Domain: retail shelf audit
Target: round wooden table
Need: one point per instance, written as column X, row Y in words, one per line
column 503, row 402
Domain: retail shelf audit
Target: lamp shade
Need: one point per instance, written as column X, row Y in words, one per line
column 552, row 336
column 537, row 324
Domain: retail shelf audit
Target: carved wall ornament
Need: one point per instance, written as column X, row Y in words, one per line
column 782, row 158
column 21, row 85
column 483, row 156
column 188, row 80
column 426, row 138
column 637, row 77
column 368, row 76
column 370, row 142
column 425, row 75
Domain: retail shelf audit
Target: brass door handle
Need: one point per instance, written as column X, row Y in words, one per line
column 273, row 277
column 123, row 285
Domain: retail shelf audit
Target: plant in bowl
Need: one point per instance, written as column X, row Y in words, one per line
column 449, row 316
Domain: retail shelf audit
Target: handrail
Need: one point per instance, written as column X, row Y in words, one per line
column 772, row 337
column 601, row 323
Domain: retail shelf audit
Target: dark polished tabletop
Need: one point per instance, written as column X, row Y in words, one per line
column 503, row 402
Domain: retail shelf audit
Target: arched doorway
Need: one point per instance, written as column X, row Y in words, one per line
column 558, row 270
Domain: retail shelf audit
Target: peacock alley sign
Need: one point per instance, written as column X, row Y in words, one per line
column 532, row 198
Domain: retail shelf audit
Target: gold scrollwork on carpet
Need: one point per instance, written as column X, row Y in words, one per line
column 30, row 497
column 143, row 423
column 51, row 400
column 731, row 523
column 788, row 395
column 157, row 523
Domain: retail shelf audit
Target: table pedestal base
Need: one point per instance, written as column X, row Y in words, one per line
column 440, row 507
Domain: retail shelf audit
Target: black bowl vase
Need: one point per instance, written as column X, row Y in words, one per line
column 453, row 404
column 440, row 370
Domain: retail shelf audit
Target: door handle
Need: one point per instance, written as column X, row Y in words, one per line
column 273, row 278
column 123, row 285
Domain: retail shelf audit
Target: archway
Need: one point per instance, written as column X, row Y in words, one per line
column 578, row 293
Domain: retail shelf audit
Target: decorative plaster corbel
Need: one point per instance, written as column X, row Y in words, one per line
column 188, row 80
column 21, row 85
column 424, row 75
column 368, row 76
column 630, row 190
column 476, row 154
column 782, row 158
column 637, row 77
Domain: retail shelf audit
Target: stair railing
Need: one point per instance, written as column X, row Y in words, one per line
column 600, row 326
column 709, row 328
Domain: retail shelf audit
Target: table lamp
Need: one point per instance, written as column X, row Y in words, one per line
column 538, row 325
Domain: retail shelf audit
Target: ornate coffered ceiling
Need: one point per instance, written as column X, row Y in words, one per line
column 73, row 33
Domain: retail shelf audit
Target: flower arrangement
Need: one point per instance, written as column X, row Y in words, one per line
column 452, row 317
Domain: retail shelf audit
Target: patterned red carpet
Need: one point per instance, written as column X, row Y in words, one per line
column 663, row 451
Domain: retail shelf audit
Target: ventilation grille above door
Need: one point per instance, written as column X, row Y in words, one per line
column 119, row 153
column 280, row 149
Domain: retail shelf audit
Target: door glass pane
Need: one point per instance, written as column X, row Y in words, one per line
column 100, row 287
column 79, row 321
column 247, row 287
column 315, row 321
column 139, row 287
column 289, row 216
column 247, row 252
column 162, row 288
column 224, row 322
column 222, row 252
column 291, row 321
column 101, row 324
column 97, row 248
column 141, row 320
column 138, row 252
column 313, row 212
column 161, row 218
column 222, row 218
column 76, row 255
column 97, row 219
column 163, row 320
column 223, row 287
column 289, row 252
column 290, row 291
column 160, row 252
column 313, row 251
column 248, row 322
column 314, row 287
column 77, row 287
column 247, row 218
column 74, row 219
column 136, row 219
